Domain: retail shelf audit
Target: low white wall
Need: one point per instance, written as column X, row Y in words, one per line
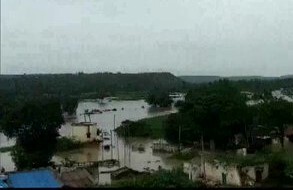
column 214, row 172
column 192, row 170
column 251, row 171
column 79, row 133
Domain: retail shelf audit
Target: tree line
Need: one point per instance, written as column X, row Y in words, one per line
column 218, row 111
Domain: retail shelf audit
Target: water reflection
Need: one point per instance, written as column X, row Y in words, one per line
column 132, row 110
column 123, row 150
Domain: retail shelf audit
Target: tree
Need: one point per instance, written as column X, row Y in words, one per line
column 160, row 99
column 161, row 179
column 277, row 114
column 69, row 105
column 215, row 111
column 35, row 125
column 189, row 132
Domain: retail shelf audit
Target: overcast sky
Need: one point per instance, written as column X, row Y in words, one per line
column 185, row 37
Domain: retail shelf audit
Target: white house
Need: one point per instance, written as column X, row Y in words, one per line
column 227, row 174
column 85, row 131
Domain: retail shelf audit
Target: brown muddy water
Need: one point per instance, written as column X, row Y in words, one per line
column 124, row 150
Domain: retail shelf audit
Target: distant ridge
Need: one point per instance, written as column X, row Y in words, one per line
column 80, row 83
column 207, row 79
column 199, row 79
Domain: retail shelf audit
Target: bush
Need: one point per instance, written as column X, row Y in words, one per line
column 150, row 127
column 160, row 179
column 65, row 144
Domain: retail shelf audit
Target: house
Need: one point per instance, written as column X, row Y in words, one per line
column 79, row 177
column 247, row 94
column 289, row 133
column 126, row 172
column 254, row 102
column 220, row 173
column 40, row 178
column 3, row 180
column 85, row 131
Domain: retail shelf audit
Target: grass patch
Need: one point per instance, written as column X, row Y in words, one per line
column 130, row 95
column 6, row 149
column 242, row 161
column 160, row 179
column 63, row 144
column 149, row 127
column 184, row 156
column 156, row 126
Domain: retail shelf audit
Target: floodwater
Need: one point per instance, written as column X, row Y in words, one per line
column 131, row 110
column 126, row 152
column 5, row 158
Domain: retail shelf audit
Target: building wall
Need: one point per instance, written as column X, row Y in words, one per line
column 192, row 170
column 79, row 133
column 214, row 172
column 251, row 171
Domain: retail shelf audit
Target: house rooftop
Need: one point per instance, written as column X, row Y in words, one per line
column 41, row 178
column 77, row 178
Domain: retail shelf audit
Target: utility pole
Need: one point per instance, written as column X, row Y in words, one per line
column 0, row 152
column 124, row 145
column 84, row 117
column 202, row 158
column 129, row 149
column 114, row 122
column 179, row 138
column 247, row 141
column 115, row 134
column 102, row 147
column 111, row 145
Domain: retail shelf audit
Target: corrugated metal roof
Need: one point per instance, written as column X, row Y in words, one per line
column 3, row 184
column 77, row 178
column 44, row 178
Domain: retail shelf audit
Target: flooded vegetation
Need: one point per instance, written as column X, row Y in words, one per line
column 124, row 150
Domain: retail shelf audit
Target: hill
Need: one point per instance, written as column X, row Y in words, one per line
column 97, row 83
column 200, row 79
column 207, row 79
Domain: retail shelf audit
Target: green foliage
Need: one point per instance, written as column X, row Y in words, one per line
column 184, row 156
column 179, row 104
column 161, row 179
column 136, row 95
column 65, row 144
column 149, row 127
column 160, row 99
column 25, row 160
column 281, row 168
column 6, row 149
column 35, row 124
column 69, row 104
column 215, row 111
column 242, row 161
column 189, row 131
column 276, row 114
column 96, row 85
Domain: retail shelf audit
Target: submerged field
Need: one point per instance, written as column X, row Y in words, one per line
column 149, row 127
